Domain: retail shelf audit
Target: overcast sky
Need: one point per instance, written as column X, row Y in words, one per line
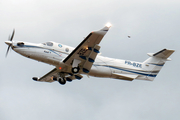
column 152, row 24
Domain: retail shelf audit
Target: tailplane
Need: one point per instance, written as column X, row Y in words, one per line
column 156, row 61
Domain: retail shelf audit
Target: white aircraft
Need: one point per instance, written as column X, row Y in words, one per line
column 71, row 63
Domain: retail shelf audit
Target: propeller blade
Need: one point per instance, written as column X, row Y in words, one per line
column 10, row 43
column 8, row 50
column 9, row 37
column 12, row 35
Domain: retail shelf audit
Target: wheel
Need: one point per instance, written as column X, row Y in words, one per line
column 62, row 81
column 75, row 69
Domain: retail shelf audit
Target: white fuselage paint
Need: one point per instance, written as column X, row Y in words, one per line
column 102, row 67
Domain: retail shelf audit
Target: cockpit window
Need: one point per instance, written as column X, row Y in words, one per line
column 44, row 43
column 49, row 43
column 20, row 44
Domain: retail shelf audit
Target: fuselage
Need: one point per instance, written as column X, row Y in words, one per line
column 54, row 53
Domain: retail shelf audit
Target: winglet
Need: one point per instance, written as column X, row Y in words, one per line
column 104, row 30
column 108, row 25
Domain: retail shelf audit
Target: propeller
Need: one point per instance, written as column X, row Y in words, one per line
column 9, row 43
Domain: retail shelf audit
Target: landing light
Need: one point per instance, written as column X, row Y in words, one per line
column 108, row 25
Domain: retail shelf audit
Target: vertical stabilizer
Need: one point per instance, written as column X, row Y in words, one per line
column 156, row 61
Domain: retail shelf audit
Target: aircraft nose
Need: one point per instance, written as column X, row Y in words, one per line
column 8, row 42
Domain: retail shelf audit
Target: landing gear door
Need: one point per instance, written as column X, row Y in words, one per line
column 75, row 63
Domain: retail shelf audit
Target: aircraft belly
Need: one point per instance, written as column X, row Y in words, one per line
column 100, row 71
column 40, row 55
column 50, row 59
column 27, row 52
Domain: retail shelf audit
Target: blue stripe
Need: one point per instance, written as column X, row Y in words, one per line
column 151, row 75
column 54, row 52
column 39, row 47
column 27, row 46
column 31, row 46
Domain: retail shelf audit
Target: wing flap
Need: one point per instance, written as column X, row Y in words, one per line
column 87, row 64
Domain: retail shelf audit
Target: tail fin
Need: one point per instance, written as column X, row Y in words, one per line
column 156, row 61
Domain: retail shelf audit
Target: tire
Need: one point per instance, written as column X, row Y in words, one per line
column 62, row 81
column 75, row 70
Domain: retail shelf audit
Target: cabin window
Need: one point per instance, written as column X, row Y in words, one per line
column 60, row 45
column 67, row 49
column 49, row 43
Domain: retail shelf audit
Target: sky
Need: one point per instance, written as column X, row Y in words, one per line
column 152, row 24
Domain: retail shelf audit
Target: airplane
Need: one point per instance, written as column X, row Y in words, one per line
column 72, row 63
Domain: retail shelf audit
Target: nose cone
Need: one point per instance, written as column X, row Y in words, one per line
column 8, row 42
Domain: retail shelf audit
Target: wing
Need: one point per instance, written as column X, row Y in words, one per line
column 82, row 56
column 85, row 53
column 49, row 76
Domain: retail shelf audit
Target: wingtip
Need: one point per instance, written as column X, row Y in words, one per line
column 108, row 25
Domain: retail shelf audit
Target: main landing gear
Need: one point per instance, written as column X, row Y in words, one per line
column 62, row 76
column 62, row 81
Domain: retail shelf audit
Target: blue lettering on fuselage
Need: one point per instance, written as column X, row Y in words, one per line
column 46, row 51
column 133, row 64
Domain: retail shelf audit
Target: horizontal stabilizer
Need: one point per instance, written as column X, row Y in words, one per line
column 165, row 53
column 124, row 76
